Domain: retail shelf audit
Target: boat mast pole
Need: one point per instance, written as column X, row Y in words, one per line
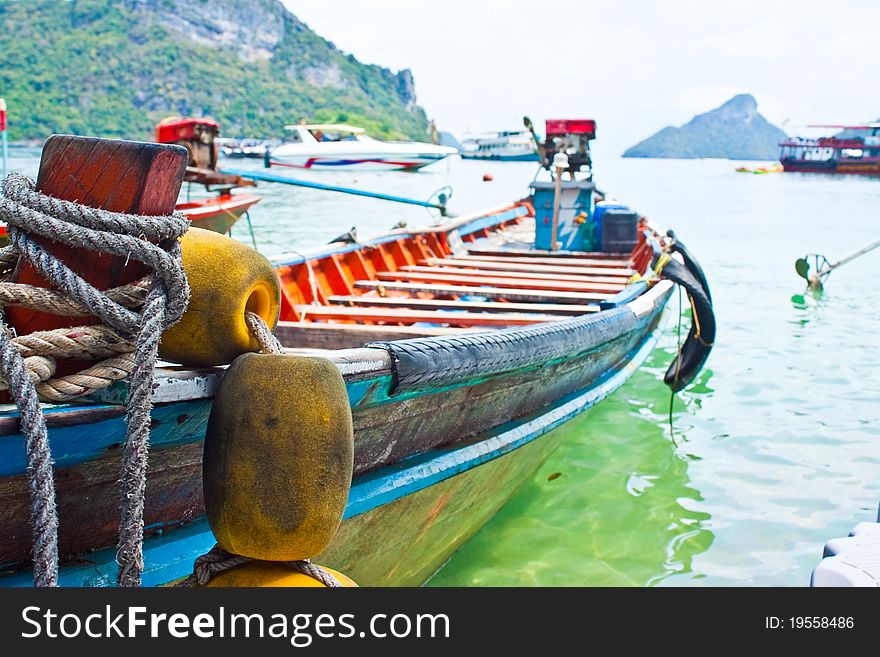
column 560, row 164
column 284, row 180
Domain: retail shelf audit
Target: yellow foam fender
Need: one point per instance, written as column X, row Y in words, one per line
column 268, row 574
column 227, row 279
column 279, row 452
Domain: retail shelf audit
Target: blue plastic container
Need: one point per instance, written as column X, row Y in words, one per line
column 601, row 208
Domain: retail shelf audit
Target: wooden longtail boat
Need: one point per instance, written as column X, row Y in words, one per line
column 464, row 351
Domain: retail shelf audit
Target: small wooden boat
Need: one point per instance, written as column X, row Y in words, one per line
column 217, row 213
column 464, row 349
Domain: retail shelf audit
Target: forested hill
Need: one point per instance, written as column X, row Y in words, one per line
column 113, row 68
column 735, row 130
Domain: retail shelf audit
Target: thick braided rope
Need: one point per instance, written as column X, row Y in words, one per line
column 218, row 560
column 44, row 515
column 27, row 213
column 263, row 334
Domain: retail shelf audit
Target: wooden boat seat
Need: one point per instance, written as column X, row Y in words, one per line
column 552, row 256
column 512, row 294
column 476, row 263
column 558, row 260
column 405, row 316
column 442, row 304
column 528, row 276
column 318, row 335
column 498, row 281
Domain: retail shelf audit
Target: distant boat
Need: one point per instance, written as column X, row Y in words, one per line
column 506, row 146
column 337, row 146
column 245, row 148
column 857, row 151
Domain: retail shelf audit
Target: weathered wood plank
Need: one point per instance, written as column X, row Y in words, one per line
column 499, row 281
column 313, row 335
column 539, row 258
column 513, row 294
column 550, row 255
column 399, row 316
column 483, row 306
column 583, row 279
column 505, row 265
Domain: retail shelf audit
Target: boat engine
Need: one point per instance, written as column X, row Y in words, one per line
column 199, row 138
column 571, row 137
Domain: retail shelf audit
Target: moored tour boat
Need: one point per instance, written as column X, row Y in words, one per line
column 459, row 353
column 855, row 153
column 341, row 147
column 504, row 146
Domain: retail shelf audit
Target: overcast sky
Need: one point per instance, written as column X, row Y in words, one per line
column 635, row 66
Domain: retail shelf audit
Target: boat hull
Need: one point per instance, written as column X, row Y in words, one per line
column 435, row 419
column 853, row 167
column 218, row 213
column 402, row 521
column 524, row 157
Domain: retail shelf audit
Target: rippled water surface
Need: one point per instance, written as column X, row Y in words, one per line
column 776, row 447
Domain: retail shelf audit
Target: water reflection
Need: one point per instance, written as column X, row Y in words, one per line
column 623, row 512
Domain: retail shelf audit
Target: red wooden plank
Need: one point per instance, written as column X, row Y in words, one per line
column 482, row 306
column 402, row 316
column 624, row 273
column 615, row 263
column 534, row 276
column 498, row 281
column 512, row 294
column 561, row 255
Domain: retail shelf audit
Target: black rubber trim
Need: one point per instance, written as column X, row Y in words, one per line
column 690, row 261
column 442, row 361
column 696, row 348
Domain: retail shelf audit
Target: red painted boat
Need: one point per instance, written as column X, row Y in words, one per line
column 217, row 213
column 856, row 153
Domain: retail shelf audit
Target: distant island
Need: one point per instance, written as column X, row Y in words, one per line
column 113, row 68
column 735, row 131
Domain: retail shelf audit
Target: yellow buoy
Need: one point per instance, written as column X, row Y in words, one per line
column 227, row 279
column 279, row 452
column 268, row 574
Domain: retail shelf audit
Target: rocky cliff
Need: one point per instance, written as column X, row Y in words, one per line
column 115, row 67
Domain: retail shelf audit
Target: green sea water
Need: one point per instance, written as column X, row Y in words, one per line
column 774, row 449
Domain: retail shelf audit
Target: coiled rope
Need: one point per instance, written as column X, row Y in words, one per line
column 134, row 317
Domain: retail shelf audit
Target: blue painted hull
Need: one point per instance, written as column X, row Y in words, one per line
column 507, row 455
column 461, row 440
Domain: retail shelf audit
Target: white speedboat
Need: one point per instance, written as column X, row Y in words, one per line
column 334, row 146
